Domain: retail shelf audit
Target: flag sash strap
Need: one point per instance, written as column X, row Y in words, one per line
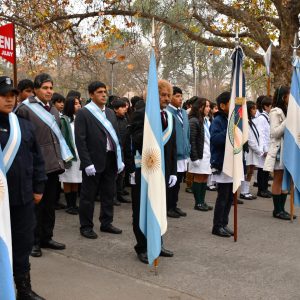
column 100, row 116
column 168, row 131
column 11, row 148
column 50, row 121
column 137, row 159
column 206, row 127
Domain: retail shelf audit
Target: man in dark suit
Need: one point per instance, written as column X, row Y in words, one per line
column 97, row 144
column 133, row 155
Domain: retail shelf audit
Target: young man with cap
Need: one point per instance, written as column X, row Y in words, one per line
column 183, row 149
column 45, row 117
column 26, row 177
column 97, row 142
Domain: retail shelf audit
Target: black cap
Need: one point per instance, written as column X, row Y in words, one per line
column 6, row 86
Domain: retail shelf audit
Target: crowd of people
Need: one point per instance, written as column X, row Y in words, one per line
column 92, row 149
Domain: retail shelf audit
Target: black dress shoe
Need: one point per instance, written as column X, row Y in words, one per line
column 294, row 216
column 124, row 193
column 166, row 253
column 111, row 229
column 226, row 228
column 220, row 232
column 123, row 200
column 88, row 233
column 238, row 202
column 51, row 244
column 72, row 211
column 117, row 203
column 281, row 215
column 264, row 194
column 208, row 206
column 143, row 257
column 59, row 206
column 36, row 251
column 247, row 196
column 201, row 207
column 171, row 213
column 180, row 212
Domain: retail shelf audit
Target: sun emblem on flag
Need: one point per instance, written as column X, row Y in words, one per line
column 151, row 160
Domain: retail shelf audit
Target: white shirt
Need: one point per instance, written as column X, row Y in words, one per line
column 108, row 144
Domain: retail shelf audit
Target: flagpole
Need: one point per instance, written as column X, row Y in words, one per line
column 292, row 197
column 156, row 266
column 15, row 56
column 269, row 85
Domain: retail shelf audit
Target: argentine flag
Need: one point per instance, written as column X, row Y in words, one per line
column 237, row 130
column 291, row 146
column 153, row 218
column 6, row 276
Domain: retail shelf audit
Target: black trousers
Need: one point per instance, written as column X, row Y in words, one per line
column 262, row 180
column 223, row 205
column 120, row 183
column 172, row 193
column 22, row 219
column 141, row 245
column 45, row 211
column 104, row 183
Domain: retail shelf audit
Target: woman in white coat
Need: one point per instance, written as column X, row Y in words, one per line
column 273, row 161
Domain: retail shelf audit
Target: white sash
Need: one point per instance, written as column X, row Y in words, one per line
column 168, row 131
column 12, row 146
column 100, row 116
column 50, row 121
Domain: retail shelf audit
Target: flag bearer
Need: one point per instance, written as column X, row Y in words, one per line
column 26, row 179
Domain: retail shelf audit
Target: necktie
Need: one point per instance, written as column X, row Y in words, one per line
column 179, row 114
column 47, row 107
column 163, row 120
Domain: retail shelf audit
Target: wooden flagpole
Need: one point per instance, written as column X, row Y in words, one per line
column 269, row 86
column 15, row 58
column 156, row 261
column 292, row 197
column 235, row 226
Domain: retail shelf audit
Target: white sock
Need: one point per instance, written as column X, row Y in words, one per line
column 245, row 187
column 255, row 175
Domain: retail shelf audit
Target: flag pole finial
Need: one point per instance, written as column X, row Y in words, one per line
column 153, row 33
column 296, row 40
column 237, row 38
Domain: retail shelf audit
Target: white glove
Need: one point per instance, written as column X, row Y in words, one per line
column 121, row 168
column 172, row 180
column 132, row 178
column 90, row 170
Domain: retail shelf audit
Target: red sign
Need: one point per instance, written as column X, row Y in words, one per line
column 7, row 42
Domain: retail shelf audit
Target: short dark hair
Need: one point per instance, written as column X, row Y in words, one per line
column 116, row 104
column 266, row 101
column 24, row 84
column 56, row 97
column 177, row 90
column 74, row 94
column 134, row 100
column 69, row 108
column 223, row 98
column 95, row 86
column 40, row 79
column 258, row 102
column 250, row 105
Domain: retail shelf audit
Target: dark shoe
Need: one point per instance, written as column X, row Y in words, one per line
column 166, row 253
column 281, row 215
column 294, row 216
column 117, row 203
column 59, row 206
column 143, row 258
column 247, row 196
column 220, row 232
column 255, row 184
column 189, row 190
column 23, row 287
column 264, row 194
column 36, row 251
column 201, row 207
column 173, row 214
column 180, row 212
column 88, row 233
column 208, row 206
column 51, row 244
column 72, row 210
column 111, row 229
column 211, row 188
column 226, row 228
column 124, row 193
column 122, row 199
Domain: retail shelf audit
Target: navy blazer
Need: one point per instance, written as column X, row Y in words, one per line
column 27, row 173
column 91, row 139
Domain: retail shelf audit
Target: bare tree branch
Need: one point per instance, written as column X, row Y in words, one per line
column 275, row 21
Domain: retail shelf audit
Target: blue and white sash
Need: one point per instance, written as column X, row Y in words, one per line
column 138, row 159
column 206, row 128
column 12, row 146
column 168, row 131
column 50, row 121
column 101, row 117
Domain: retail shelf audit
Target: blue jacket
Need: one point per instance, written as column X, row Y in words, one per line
column 218, row 129
column 182, row 134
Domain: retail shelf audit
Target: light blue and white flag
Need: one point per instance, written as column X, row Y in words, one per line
column 291, row 146
column 237, row 131
column 153, row 218
column 6, row 158
column 267, row 59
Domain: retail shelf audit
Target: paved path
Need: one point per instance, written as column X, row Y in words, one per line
column 263, row 264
